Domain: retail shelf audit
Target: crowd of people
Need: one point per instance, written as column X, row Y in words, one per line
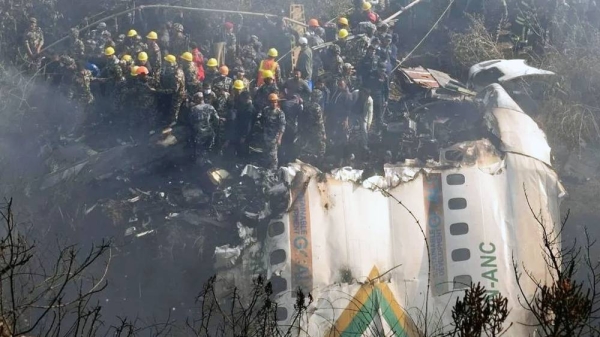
column 249, row 100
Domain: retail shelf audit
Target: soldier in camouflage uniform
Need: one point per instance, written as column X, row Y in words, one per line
column 262, row 94
column 311, row 144
column 178, row 42
column 111, row 73
column 76, row 46
column 172, row 82
column 33, row 43
column 230, row 43
column 204, row 121
column 154, row 55
column 267, row 132
column 192, row 85
column 240, row 74
column 223, row 81
column 248, row 53
column 124, row 103
column 145, row 102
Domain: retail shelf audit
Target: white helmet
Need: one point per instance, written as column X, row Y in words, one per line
column 302, row 41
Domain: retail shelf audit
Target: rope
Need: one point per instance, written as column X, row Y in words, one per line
column 425, row 37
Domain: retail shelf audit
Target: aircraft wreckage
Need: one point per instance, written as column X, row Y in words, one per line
column 466, row 172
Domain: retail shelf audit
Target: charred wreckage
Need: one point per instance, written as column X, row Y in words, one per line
column 436, row 123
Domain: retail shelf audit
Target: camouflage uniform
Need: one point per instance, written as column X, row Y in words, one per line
column 172, row 81
column 231, row 51
column 223, row 83
column 145, row 105
column 113, row 74
column 154, row 58
column 204, row 121
column 262, row 95
column 34, row 40
column 356, row 49
column 80, row 88
column 192, row 85
column 311, row 131
column 269, row 125
column 77, row 49
column 178, row 44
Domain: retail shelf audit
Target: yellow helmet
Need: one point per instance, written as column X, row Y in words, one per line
column 212, row 62
column 238, row 84
column 366, row 6
column 131, row 33
column 171, row 59
column 126, row 58
column 152, row 36
column 133, row 70
column 267, row 74
column 143, row 56
column 109, row 51
column 272, row 52
column 342, row 34
column 343, row 21
column 187, row 56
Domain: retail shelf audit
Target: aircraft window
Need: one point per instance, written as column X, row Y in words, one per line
column 460, row 228
column 281, row 314
column 454, row 155
column 462, row 281
column 276, row 228
column 278, row 256
column 462, row 254
column 279, row 284
column 457, row 203
column 455, row 179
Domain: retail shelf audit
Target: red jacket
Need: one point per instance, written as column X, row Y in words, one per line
column 199, row 61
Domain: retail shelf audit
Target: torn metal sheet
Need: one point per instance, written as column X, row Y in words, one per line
column 515, row 129
column 501, row 71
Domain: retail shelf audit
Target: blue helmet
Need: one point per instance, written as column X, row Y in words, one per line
column 93, row 68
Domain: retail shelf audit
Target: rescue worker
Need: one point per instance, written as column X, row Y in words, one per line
column 336, row 119
column 237, row 88
column 209, row 96
column 198, row 60
column 314, row 33
column 124, row 102
column 126, row 62
column 223, row 82
column 204, row 121
column 154, row 55
column 192, row 85
column 249, row 53
column 297, row 86
column 245, row 116
column 211, row 71
column 172, row 83
column 143, row 60
column 178, row 42
column 81, row 93
column 311, row 143
column 133, row 43
column 267, row 133
column 145, row 102
column 342, row 23
column 378, row 85
column 368, row 14
column 367, row 65
column 305, row 61
column 230, row 43
column 240, row 75
column 269, row 87
column 76, row 46
column 111, row 73
column 33, row 43
column 271, row 65
column 360, row 120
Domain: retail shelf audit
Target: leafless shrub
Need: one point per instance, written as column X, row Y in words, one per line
column 475, row 314
column 566, row 306
column 475, row 45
